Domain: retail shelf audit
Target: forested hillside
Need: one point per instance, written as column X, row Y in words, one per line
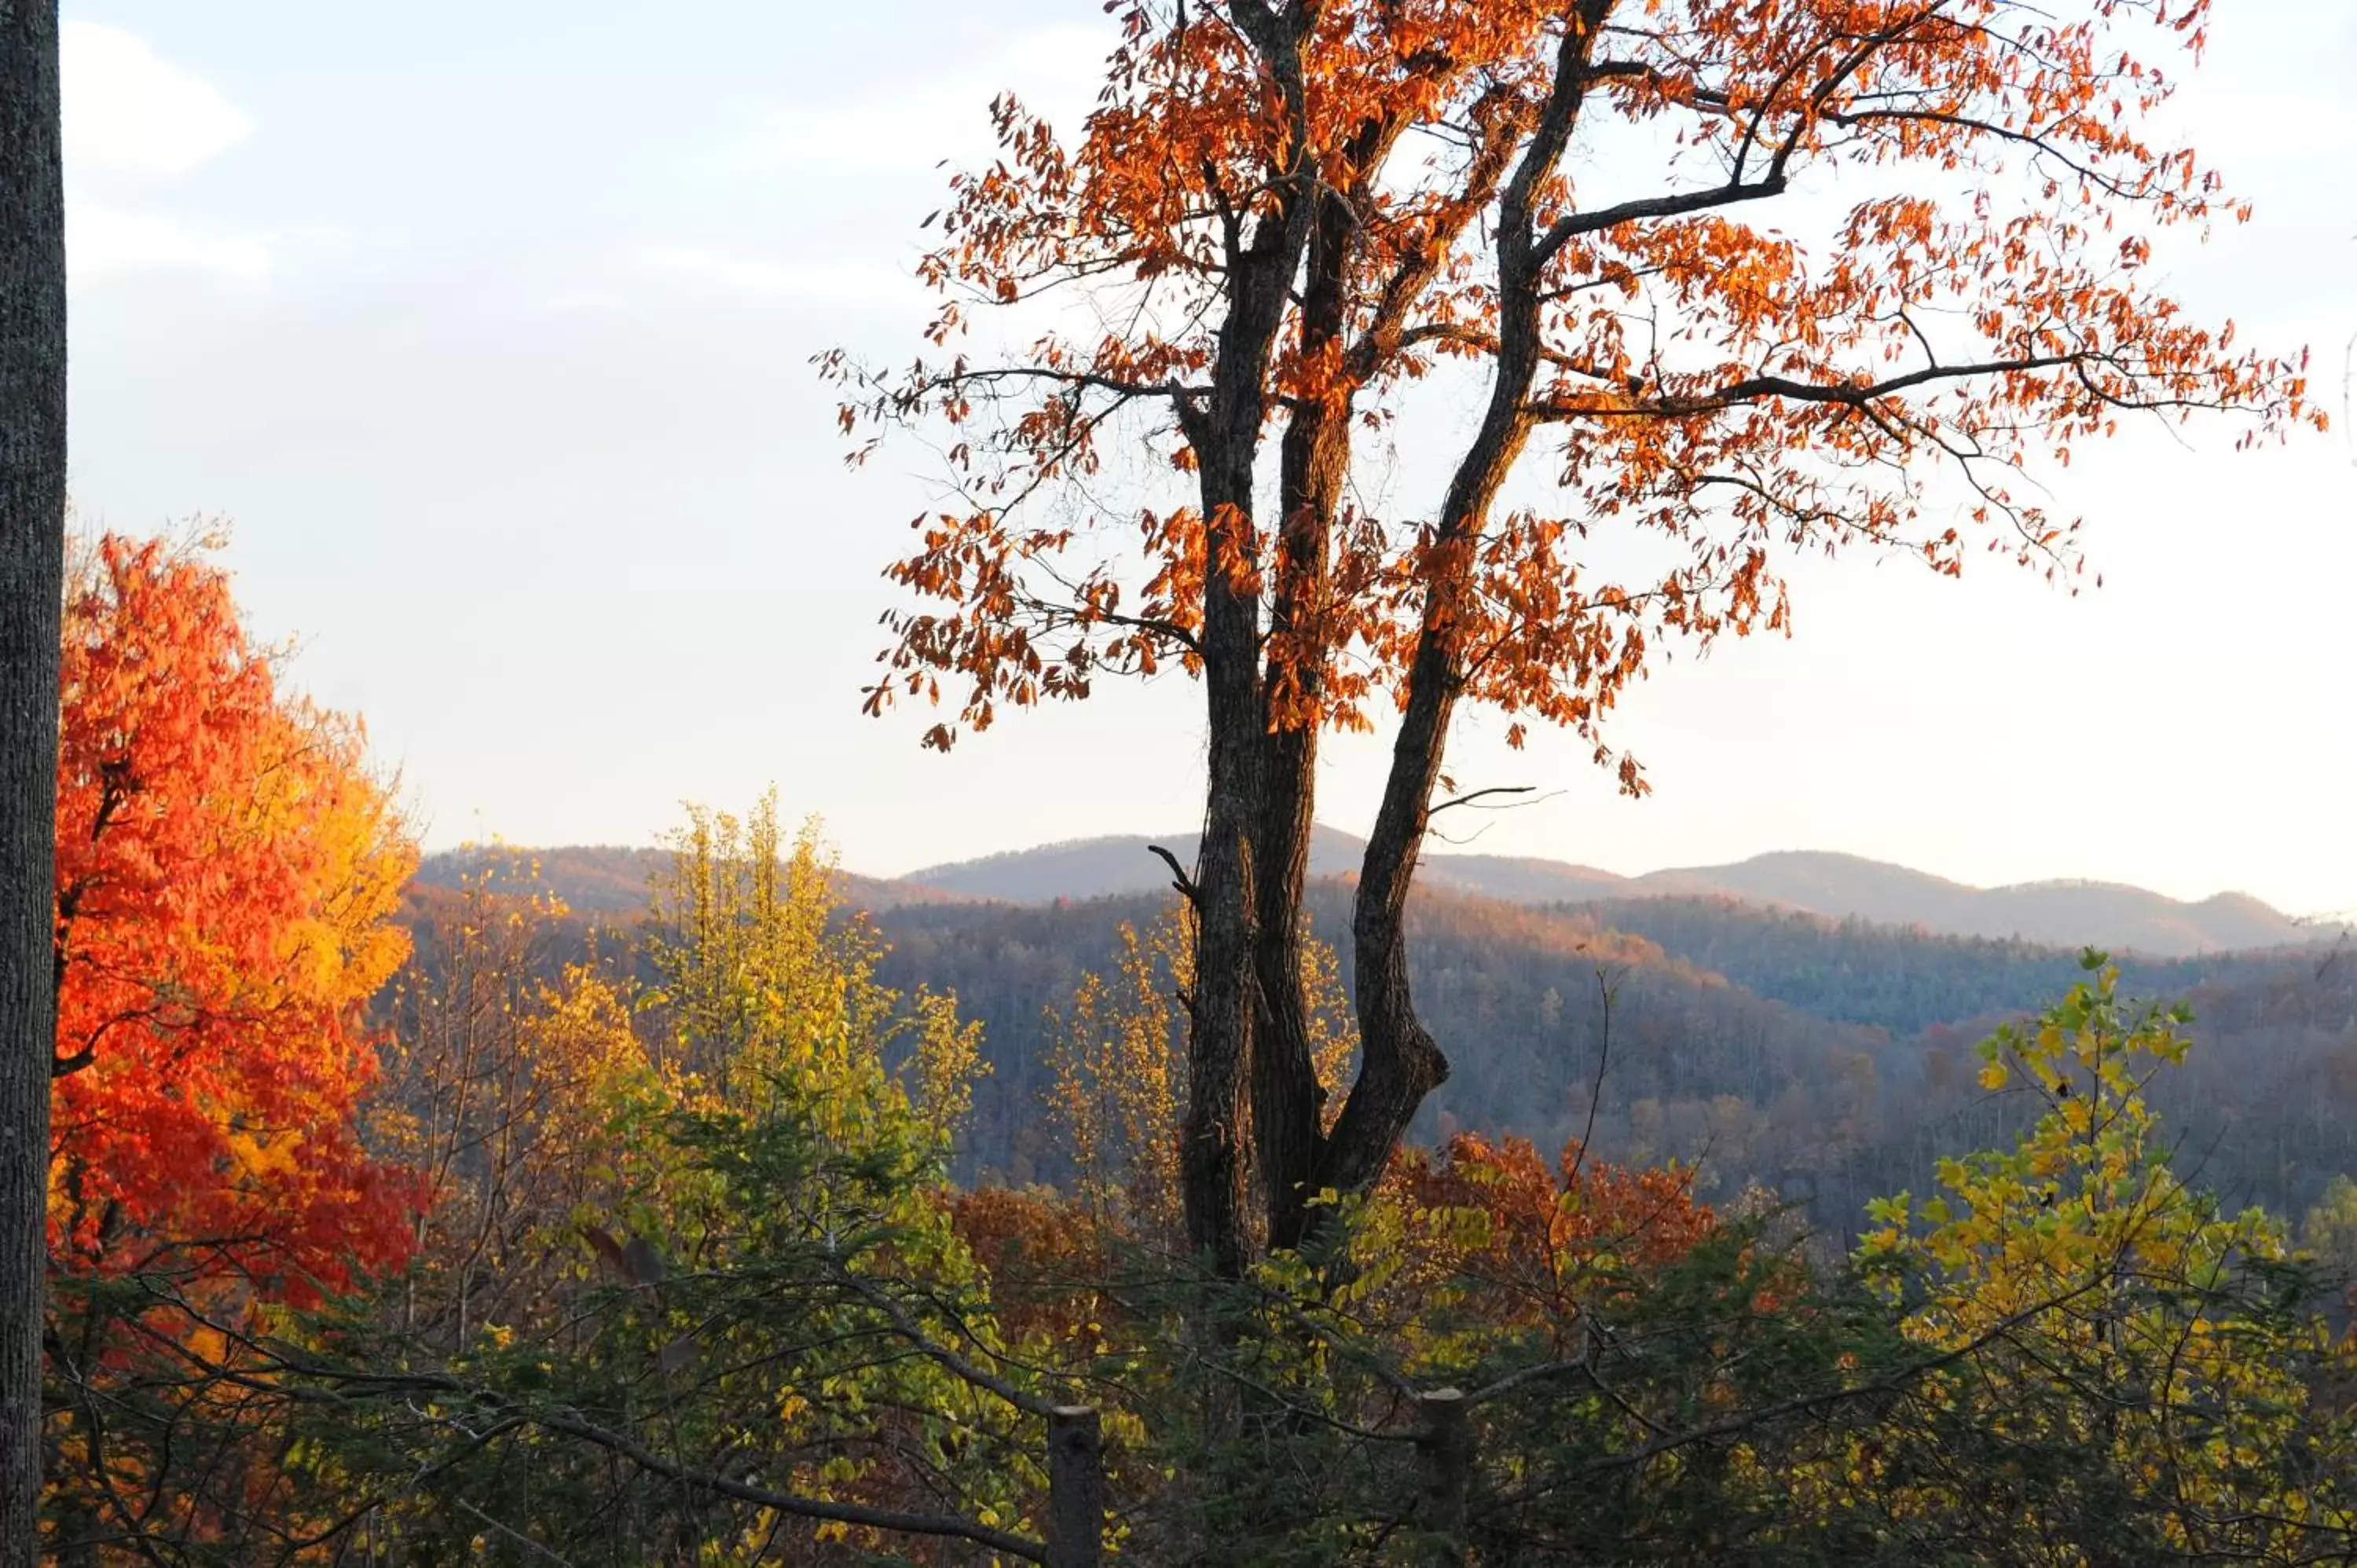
column 1822, row 1059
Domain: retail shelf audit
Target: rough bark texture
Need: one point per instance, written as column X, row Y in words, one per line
column 32, row 553
column 1401, row 1063
column 1225, row 433
column 1312, row 464
column 1249, row 1059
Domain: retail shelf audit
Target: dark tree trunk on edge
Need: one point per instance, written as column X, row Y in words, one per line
column 32, row 555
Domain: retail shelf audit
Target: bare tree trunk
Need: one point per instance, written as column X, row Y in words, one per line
column 32, row 557
column 1225, row 432
column 1076, row 1488
column 1400, row 1063
column 1212, row 1162
column 1312, row 464
column 1444, row 1452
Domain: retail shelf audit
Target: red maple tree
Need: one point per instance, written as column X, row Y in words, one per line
column 226, row 869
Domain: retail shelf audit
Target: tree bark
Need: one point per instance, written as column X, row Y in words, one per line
column 1312, row 464
column 1076, row 1488
column 1249, row 1056
column 1313, row 469
column 32, row 557
column 1225, row 433
column 1443, row 1453
column 1400, row 1062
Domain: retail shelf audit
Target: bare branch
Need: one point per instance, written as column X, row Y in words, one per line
column 1179, row 879
column 1468, row 800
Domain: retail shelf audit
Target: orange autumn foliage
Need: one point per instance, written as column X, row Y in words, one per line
column 1529, row 1263
column 1535, row 1258
column 1649, row 1215
column 1698, row 288
column 226, row 871
column 1753, row 277
column 1048, row 1258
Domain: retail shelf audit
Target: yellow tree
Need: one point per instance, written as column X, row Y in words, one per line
column 764, row 970
column 1120, row 1077
column 495, row 1093
column 2116, row 1310
column 1283, row 214
column 744, row 1326
column 1118, row 1055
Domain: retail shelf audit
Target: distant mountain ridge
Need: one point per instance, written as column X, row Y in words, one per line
column 614, row 879
column 611, row 879
column 2056, row 913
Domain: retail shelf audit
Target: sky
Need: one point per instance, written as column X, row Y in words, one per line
column 486, row 330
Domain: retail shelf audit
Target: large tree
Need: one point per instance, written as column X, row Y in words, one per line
column 32, row 549
column 227, row 872
column 1739, row 278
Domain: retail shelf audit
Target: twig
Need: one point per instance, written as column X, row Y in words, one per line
column 1478, row 794
column 949, row 1360
column 514, row 1534
column 1179, row 879
column 1583, row 1363
column 807, row 1508
column 1607, row 991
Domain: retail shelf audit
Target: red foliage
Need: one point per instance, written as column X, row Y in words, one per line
column 1045, row 1256
column 225, row 870
column 1546, row 1228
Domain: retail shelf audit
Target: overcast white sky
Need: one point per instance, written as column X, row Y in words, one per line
column 486, row 326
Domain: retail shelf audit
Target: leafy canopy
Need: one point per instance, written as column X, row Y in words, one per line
column 227, row 869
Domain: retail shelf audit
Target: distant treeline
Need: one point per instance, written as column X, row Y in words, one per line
column 1827, row 1060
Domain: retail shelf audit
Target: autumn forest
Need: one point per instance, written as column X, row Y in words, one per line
column 1301, row 1193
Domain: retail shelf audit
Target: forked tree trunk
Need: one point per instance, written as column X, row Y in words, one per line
column 1220, row 1041
column 32, row 556
column 1400, row 1063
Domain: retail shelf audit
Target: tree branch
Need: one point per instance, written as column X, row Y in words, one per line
column 1578, row 223
column 1179, row 879
column 1468, row 800
column 941, row 1525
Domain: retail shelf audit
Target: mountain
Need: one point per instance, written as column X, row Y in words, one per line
column 1831, row 1057
column 1118, row 866
column 2063, row 914
column 611, row 881
column 2060, row 914
column 1115, row 867
column 596, row 880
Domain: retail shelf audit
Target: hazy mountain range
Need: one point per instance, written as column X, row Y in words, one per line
column 610, row 880
column 2068, row 914
column 1803, row 1020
